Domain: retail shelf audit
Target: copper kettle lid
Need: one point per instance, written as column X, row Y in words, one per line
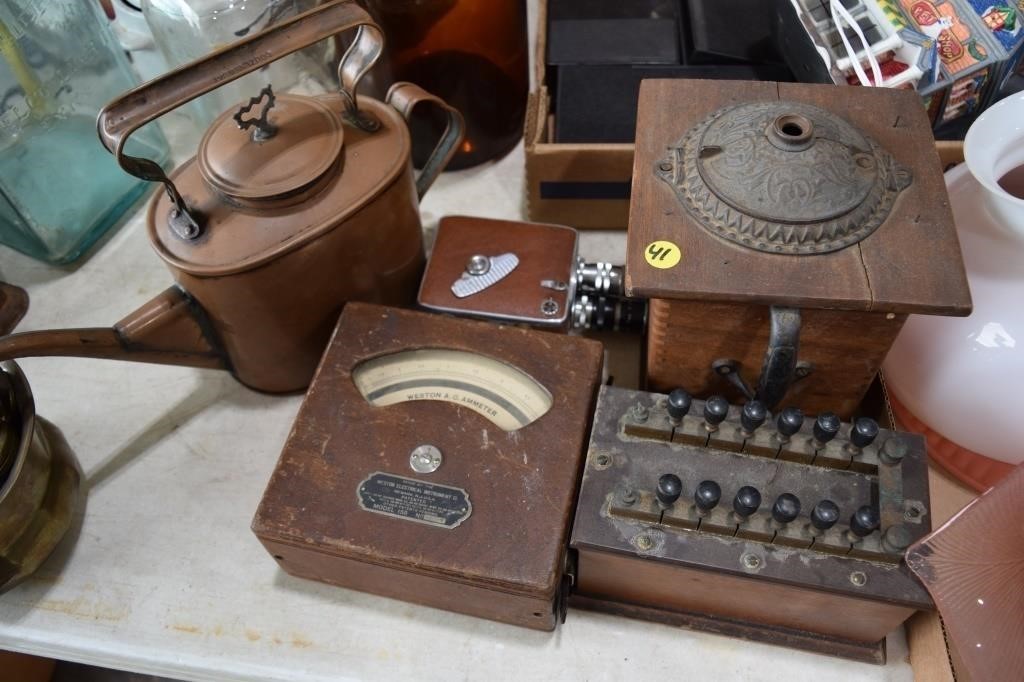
column 784, row 177
column 270, row 149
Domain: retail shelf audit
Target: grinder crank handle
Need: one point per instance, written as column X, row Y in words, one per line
column 126, row 114
column 404, row 97
column 780, row 359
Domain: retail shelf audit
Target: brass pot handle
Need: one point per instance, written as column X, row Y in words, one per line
column 404, row 97
column 129, row 112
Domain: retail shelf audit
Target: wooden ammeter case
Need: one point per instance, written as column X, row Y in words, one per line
column 706, row 515
column 436, row 460
column 784, row 232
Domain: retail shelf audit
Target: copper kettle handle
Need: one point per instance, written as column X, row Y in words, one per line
column 404, row 97
column 129, row 112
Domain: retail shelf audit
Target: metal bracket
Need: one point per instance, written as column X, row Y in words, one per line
column 567, row 586
column 355, row 116
column 482, row 272
column 730, row 369
column 780, row 369
column 182, row 222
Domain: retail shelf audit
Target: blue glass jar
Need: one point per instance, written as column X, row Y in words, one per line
column 60, row 190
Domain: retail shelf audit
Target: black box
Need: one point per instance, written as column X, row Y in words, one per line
column 730, row 32
column 605, row 41
column 598, row 103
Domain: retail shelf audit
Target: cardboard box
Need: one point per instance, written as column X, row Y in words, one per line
column 587, row 185
column 581, row 185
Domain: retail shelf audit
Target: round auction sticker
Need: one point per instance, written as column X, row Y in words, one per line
column 662, row 255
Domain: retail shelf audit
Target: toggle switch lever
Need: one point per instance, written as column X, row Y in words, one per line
column 824, row 515
column 706, row 497
column 786, row 509
column 826, row 427
column 716, row 409
column 678, row 406
column 746, row 502
column 863, row 523
column 862, row 434
column 788, row 423
column 751, row 417
column 669, row 490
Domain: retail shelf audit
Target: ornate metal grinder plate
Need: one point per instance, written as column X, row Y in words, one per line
column 783, row 177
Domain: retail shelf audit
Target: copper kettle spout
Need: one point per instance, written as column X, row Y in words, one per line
column 170, row 329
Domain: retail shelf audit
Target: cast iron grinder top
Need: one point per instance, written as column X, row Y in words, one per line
column 783, row 177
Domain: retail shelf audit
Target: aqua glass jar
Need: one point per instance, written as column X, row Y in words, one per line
column 60, row 190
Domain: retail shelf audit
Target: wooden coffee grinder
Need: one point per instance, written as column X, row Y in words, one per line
column 783, row 233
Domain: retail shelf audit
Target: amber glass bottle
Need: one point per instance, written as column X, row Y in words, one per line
column 472, row 54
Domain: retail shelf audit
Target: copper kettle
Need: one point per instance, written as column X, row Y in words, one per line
column 292, row 206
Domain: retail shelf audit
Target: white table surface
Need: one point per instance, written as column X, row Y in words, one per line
column 162, row 574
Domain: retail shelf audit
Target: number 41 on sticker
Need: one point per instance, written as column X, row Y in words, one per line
column 662, row 255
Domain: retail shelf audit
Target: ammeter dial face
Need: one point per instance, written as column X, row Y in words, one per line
column 507, row 396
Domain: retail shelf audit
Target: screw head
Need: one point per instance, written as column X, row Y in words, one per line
column 549, row 307
column 858, row 578
column 913, row 511
column 751, row 561
column 665, row 166
column 602, row 461
column 894, row 450
column 478, row 265
column 628, row 497
column 425, row 459
column 644, row 542
column 897, row 538
column 640, row 413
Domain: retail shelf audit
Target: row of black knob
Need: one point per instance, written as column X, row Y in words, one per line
column 788, row 422
column 747, row 501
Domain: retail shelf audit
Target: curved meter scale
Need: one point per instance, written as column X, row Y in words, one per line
column 436, row 460
column 506, row 395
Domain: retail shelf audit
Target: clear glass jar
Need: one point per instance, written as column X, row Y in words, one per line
column 185, row 30
column 59, row 188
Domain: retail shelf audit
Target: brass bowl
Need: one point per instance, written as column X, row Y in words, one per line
column 39, row 481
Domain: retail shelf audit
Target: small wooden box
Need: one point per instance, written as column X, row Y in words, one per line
column 544, row 253
column 714, row 302
column 353, row 500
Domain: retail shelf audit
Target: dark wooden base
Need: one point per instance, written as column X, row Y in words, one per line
column 755, row 632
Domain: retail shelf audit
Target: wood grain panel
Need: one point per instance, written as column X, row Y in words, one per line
column 913, row 261
column 676, row 587
column 845, row 347
column 910, row 264
column 532, row 611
